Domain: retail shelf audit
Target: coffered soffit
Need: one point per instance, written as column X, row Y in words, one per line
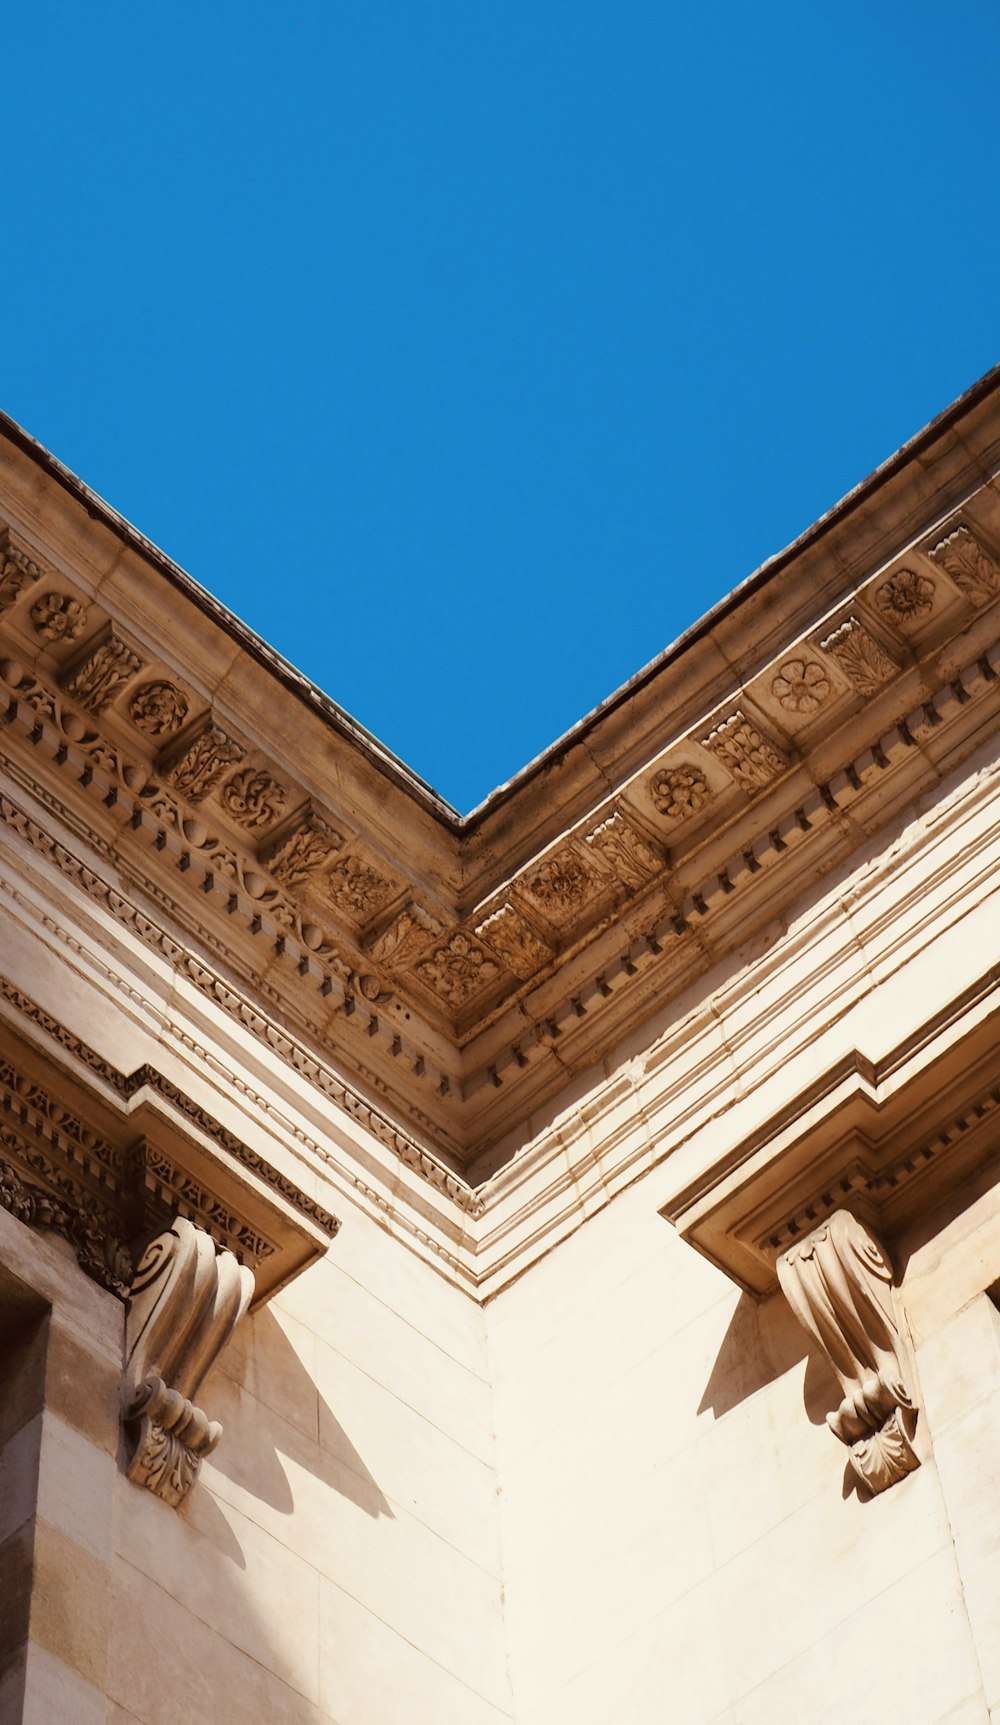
column 462, row 968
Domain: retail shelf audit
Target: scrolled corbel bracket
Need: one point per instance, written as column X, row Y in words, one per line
column 839, row 1283
column 185, row 1301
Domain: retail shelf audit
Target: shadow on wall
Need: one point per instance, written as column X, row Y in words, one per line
column 765, row 1340
column 261, row 1368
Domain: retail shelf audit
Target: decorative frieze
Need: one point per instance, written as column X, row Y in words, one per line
column 863, row 660
column 974, row 572
column 185, row 1301
column 253, row 798
column 838, row 1282
column 97, row 678
column 752, row 759
column 203, row 763
column 158, row 709
column 801, row 687
column 295, row 858
column 405, row 938
column 678, row 792
column 906, row 599
column 622, row 850
column 519, row 946
column 458, row 970
column 58, row 617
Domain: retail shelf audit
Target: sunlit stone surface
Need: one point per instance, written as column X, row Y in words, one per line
column 432, row 1251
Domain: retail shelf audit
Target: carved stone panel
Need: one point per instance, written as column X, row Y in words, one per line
column 801, row 686
column 752, row 759
column 458, row 970
column 907, row 599
column 185, row 1301
column 678, row 792
column 563, row 886
column 297, row 855
column 863, row 660
column 158, row 709
column 18, row 572
column 97, row 678
column 405, row 937
column 626, row 854
column 58, row 617
column 974, row 572
column 253, row 798
column 519, row 946
column 203, row 763
column 838, row 1282
column 356, row 888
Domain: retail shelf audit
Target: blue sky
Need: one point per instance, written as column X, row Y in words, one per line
column 471, row 351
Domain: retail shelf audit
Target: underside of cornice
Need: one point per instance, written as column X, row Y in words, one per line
column 445, row 981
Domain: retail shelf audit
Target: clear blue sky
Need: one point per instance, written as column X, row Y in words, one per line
column 470, row 351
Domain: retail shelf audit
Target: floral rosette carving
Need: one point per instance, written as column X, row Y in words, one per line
column 157, row 709
column 801, row 686
column 679, row 791
column 458, row 970
column 355, row 887
column 906, row 598
column 58, row 617
column 562, row 885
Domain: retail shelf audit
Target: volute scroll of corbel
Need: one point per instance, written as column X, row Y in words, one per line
column 186, row 1298
column 839, row 1283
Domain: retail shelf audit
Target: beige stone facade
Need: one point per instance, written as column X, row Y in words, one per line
column 540, row 1266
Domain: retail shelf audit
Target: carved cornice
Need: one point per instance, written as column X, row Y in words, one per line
column 107, row 1170
column 461, row 978
column 889, row 1139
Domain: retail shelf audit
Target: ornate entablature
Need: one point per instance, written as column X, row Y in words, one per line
column 109, row 1159
column 439, row 976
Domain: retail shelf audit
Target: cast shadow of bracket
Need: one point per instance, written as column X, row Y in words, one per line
column 763, row 1341
column 256, row 1436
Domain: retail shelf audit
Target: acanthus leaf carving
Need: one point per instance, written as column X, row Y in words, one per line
column 100, row 1253
column 752, row 759
column 405, row 937
column 203, row 763
column 18, row 572
column 295, row 858
column 863, row 660
column 838, row 1282
column 185, row 1301
column 974, row 572
column 105, row 669
column 519, row 946
column 625, row 853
